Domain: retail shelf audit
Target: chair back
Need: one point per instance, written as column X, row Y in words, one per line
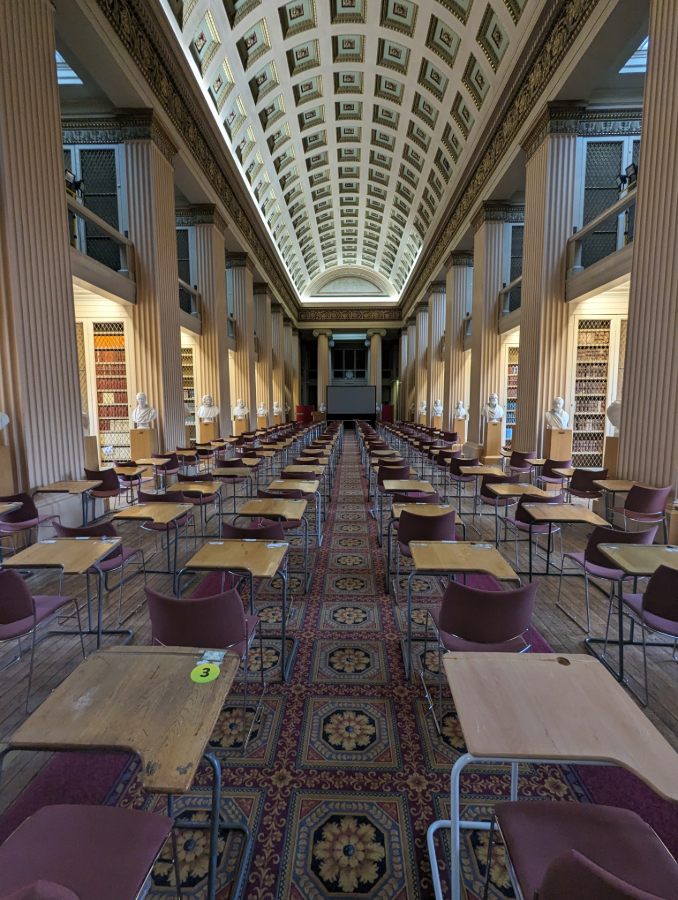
column 211, row 623
column 574, row 875
column 295, row 476
column 16, row 601
column 604, row 535
column 101, row 529
column 487, row 617
column 647, row 499
column 233, row 463
column 661, row 594
column 280, row 495
column 450, row 437
column 522, row 516
column 24, row 513
column 552, row 464
column 487, row 480
column 272, row 532
column 520, row 460
column 205, row 476
column 416, row 497
column 443, row 458
column 457, row 462
column 107, row 477
column 426, row 528
column 392, row 473
column 582, row 480
column 173, row 497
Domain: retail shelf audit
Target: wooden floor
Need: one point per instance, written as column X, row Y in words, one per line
column 57, row 656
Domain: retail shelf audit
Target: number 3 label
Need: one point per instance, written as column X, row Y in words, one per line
column 205, row 672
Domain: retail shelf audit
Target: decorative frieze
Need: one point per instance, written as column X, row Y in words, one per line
column 574, row 118
column 125, row 125
column 206, row 214
column 499, row 211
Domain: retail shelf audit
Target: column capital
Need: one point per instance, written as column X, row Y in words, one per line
column 421, row 308
column 498, row 211
column 436, row 287
column 261, row 287
column 372, row 331
column 459, row 258
column 326, row 331
column 203, row 214
column 239, row 261
column 123, row 125
column 573, row 118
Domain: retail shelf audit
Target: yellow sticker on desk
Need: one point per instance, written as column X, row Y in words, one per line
column 205, row 672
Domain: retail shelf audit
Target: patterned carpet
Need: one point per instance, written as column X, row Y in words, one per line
column 346, row 770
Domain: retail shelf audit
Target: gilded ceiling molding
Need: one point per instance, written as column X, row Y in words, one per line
column 144, row 42
column 551, row 49
column 459, row 258
column 204, row 214
column 574, row 118
column 369, row 314
column 499, row 211
column 124, row 125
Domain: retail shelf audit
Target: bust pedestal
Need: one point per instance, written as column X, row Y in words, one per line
column 558, row 443
column 318, row 416
column 421, row 418
column 6, row 477
column 143, row 442
column 493, row 442
column 262, row 421
column 437, row 422
column 461, row 427
column 276, row 419
column 205, row 432
column 239, row 425
column 610, row 450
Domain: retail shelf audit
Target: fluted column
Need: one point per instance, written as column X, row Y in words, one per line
column 488, row 253
column 323, row 338
column 291, row 414
column 459, row 277
column 264, row 365
column 550, row 197
column 296, row 384
column 38, row 355
column 401, row 412
column 211, row 282
column 411, row 366
column 421, row 359
column 239, row 276
column 374, row 335
column 648, row 443
column 436, row 330
column 278, row 357
column 152, row 227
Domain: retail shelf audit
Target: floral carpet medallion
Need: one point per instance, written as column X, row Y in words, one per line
column 357, row 733
column 352, row 528
column 338, row 615
column 270, row 614
column 227, row 737
column 356, row 661
column 348, row 845
column 349, row 559
column 350, row 582
column 360, row 542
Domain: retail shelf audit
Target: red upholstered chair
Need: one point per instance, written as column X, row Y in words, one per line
column 581, row 851
column 520, row 521
column 195, row 498
column 168, row 529
column 82, row 853
column 21, row 612
column 171, row 467
column 581, row 484
column 24, row 519
column 457, row 477
column 646, row 505
column 188, row 462
column 235, row 479
column 548, row 476
column 493, row 621
column 422, row 528
column 109, row 487
column 595, row 565
column 518, row 462
column 211, row 623
column 129, row 482
column 487, row 498
column 115, row 561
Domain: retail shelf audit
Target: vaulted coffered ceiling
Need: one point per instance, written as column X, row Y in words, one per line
column 350, row 120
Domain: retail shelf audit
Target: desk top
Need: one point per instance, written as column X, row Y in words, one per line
column 562, row 512
column 615, row 485
column 9, row 507
column 285, row 509
column 249, row 461
column 517, row 490
column 639, row 559
column 233, row 472
column 183, row 453
column 139, row 699
column 304, row 470
column 536, row 462
column 391, row 486
column 265, row 454
column 481, row 470
column 160, row 513
column 261, row 558
column 67, row 487
column 556, row 706
column 420, row 509
column 130, row 470
column 566, row 473
column 284, row 484
column 152, row 462
column 384, row 453
column 198, row 487
column 460, row 556
column 74, row 555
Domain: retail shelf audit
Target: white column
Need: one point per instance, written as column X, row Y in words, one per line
column 411, row 366
column 436, row 330
column 323, row 370
column 458, row 282
column 264, row 365
column 374, row 335
column 240, row 275
column 401, row 412
column 421, row 359
column 278, row 357
column 290, row 414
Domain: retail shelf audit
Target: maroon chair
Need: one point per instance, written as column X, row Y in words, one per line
column 457, row 477
column 115, row 561
column 21, row 612
column 70, row 852
column 519, row 462
column 548, row 476
column 595, row 565
column 520, row 521
column 196, row 498
column 487, row 498
column 581, row 851
column 26, row 518
column 188, row 461
column 167, row 529
column 235, row 479
column 450, row 437
column 581, row 484
column 646, row 505
column 211, row 623
column 171, row 467
column 422, row 528
column 128, row 482
column 109, row 487
column 472, row 620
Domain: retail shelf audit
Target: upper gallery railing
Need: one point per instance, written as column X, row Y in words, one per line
column 621, row 213
column 99, row 240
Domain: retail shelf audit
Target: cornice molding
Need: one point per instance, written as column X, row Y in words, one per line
column 436, row 287
column 205, row 214
column 363, row 314
column 124, row 125
column 141, row 37
column 239, row 261
column 459, row 258
column 561, row 24
column 498, row 211
column 372, row 331
column 573, row 118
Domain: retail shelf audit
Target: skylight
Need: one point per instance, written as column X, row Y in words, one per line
column 65, row 75
column 638, row 62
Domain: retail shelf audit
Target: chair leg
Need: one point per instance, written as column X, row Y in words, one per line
column 609, row 616
column 490, row 847
column 30, row 671
column 647, row 692
column 244, row 706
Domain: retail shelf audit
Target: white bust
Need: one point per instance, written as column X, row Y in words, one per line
column 262, row 409
column 4, row 420
column 438, row 408
column 322, row 408
column 556, row 417
column 614, row 415
column 492, row 411
column 240, row 411
column 377, row 407
column 208, row 411
column 277, row 409
column 459, row 411
column 144, row 414
column 422, row 408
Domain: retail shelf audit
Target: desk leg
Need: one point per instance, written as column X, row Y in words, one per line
column 85, row 503
column 529, row 537
column 381, row 516
column 388, row 557
column 408, row 661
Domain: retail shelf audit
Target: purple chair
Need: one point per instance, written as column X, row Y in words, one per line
column 23, row 519
column 211, row 623
column 188, row 462
column 109, row 487
column 458, row 478
column 518, row 462
column 166, row 529
column 472, row 620
column 128, row 482
column 171, row 467
column 582, row 486
column 520, row 521
column 596, row 565
column 196, row 498
column 235, row 479
column 656, row 610
column 74, row 852
column 581, row 851
column 115, row 561
column 422, row 528
column 646, row 505
column 548, row 476
column 21, row 612
column 487, row 498
column 441, row 464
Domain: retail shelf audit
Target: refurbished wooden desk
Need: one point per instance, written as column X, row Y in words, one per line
column 282, row 511
column 507, row 491
column 557, row 514
column 397, row 486
column 419, row 509
column 76, row 488
column 161, row 514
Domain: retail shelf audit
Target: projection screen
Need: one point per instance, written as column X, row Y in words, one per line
column 356, row 400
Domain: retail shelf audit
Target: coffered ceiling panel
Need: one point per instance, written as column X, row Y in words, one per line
column 351, row 120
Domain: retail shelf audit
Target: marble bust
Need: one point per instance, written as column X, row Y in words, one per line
column 556, row 417
column 240, row 411
column 492, row 411
column 322, row 408
column 438, row 408
column 4, row 420
column 277, row 409
column 422, row 408
column 614, row 415
column 377, row 407
column 459, row 411
column 262, row 410
column 208, row 411
column 144, row 414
